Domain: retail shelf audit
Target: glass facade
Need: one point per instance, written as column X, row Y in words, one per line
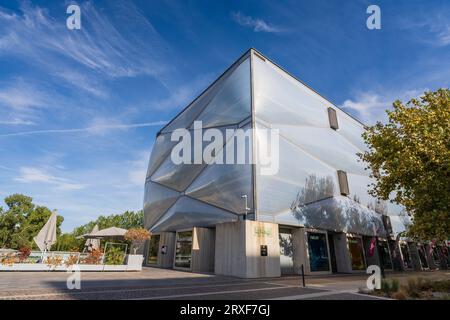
column 355, row 247
column 153, row 249
column 201, row 194
column 305, row 191
column 318, row 252
column 183, row 250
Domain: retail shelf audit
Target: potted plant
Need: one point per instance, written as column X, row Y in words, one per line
column 137, row 237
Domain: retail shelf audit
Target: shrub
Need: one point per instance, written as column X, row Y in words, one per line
column 400, row 295
column 394, row 285
column 385, row 287
column 94, row 257
column 24, row 253
column 72, row 259
column 114, row 256
column 54, row 261
column 137, row 236
column 413, row 288
column 441, row 286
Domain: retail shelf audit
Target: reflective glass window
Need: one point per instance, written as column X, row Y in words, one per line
column 318, row 252
column 356, row 250
column 183, row 250
column 153, row 249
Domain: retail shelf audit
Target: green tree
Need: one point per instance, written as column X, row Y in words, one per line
column 409, row 157
column 126, row 220
column 22, row 221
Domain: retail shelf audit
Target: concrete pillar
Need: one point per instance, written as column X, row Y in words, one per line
column 203, row 245
column 247, row 249
column 343, row 259
column 166, row 249
column 299, row 248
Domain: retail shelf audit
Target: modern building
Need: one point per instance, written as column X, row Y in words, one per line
column 309, row 207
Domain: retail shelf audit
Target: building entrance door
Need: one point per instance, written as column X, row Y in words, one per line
column 286, row 252
column 332, row 252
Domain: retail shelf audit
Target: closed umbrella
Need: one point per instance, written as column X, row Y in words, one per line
column 93, row 243
column 47, row 236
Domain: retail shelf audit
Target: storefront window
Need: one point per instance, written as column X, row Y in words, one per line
column 356, row 253
column 153, row 249
column 435, row 254
column 384, row 254
column 406, row 256
column 183, row 253
column 423, row 259
column 318, row 252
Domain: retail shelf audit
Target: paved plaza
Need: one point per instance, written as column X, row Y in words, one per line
column 154, row 283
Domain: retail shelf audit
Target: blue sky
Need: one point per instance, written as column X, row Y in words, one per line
column 79, row 109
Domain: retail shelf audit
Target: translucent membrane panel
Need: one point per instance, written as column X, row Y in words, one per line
column 351, row 129
column 300, row 178
column 325, row 145
column 232, row 102
column 359, row 187
column 338, row 213
column 224, row 183
column 179, row 176
column 281, row 99
column 161, row 149
column 157, row 199
column 187, row 213
column 185, row 119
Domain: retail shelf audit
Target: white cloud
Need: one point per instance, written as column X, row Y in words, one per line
column 435, row 24
column 184, row 94
column 96, row 129
column 36, row 175
column 371, row 107
column 21, row 102
column 100, row 46
column 17, row 122
column 258, row 25
column 21, row 96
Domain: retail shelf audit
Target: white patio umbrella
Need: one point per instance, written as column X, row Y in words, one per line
column 47, row 236
column 107, row 233
column 92, row 242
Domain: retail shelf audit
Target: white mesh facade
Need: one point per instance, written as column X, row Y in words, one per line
column 256, row 93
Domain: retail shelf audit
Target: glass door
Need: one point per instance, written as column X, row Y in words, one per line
column 407, row 263
column 385, row 255
column 318, row 252
column 286, row 252
column 153, row 249
column 356, row 250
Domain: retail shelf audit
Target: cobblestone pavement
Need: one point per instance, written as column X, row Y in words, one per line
column 154, row 283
